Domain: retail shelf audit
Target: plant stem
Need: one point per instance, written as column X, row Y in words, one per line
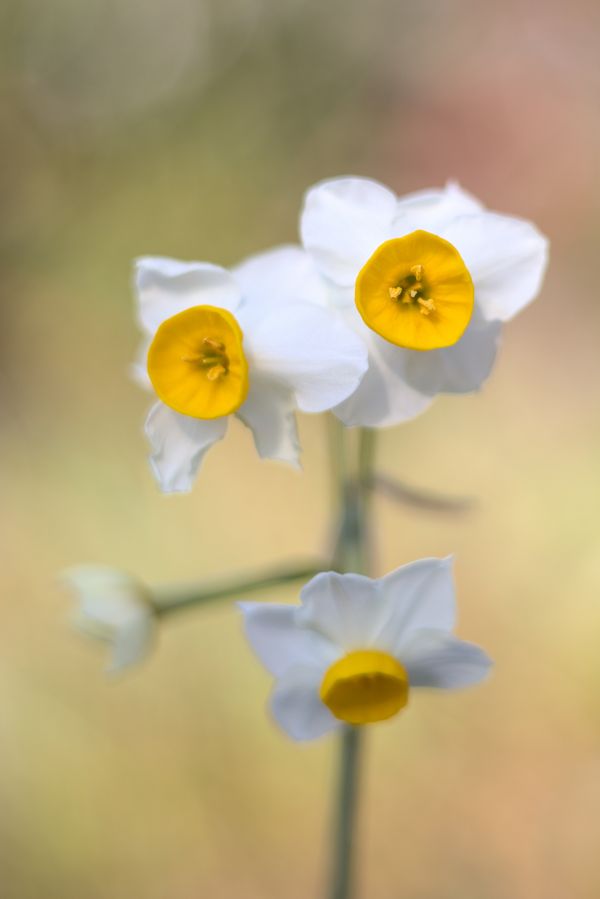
column 354, row 464
column 168, row 600
column 351, row 742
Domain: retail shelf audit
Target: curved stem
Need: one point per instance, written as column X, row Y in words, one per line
column 167, row 600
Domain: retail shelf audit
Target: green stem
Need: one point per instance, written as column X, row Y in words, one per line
column 350, row 755
column 354, row 466
column 166, row 600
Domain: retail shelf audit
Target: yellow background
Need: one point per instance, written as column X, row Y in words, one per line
column 192, row 129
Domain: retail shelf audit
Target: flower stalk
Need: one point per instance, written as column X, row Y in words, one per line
column 353, row 454
column 167, row 600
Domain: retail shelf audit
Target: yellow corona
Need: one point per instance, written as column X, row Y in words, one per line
column 196, row 363
column 365, row 686
column 416, row 292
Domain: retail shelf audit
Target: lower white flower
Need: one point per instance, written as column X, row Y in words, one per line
column 355, row 648
column 115, row 608
column 426, row 280
column 222, row 343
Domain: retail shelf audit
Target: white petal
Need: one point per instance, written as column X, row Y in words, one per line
column 436, row 659
column 178, row 445
column 269, row 413
column 312, row 351
column 420, row 595
column 165, row 287
column 132, row 643
column 343, row 221
column 139, row 368
column 461, row 368
column 297, row 708
column 431, row 210
column 384, row 397
column 283, row 276
column 349, row 609
column 507, row 259
column 281, row 642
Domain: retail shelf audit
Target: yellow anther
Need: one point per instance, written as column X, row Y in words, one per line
column 417, row 271
column 216, row 372
column 395, row 292
column 427, row 306
column 413, row 293
column 213, row 344
column 196, row 357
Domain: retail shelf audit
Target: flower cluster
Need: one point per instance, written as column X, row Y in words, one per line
column 388, row 302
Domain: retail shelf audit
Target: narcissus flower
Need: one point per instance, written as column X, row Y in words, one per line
column 355, row 648
column 426, row 279
column 115, row 608
column 222, row 343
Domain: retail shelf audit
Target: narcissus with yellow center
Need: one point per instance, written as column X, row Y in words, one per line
column 416, row 292
column 221, row 343
column 426, row 280
column 365, row 686
column 355, row 648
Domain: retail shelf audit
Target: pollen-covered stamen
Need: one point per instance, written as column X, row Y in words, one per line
column 427, row 306
column 211, row 357
column 213, row 344
column 411, row 289
column 216, row 372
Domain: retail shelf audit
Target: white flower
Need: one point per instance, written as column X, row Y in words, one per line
column 222, row 343
column 355, row 648
column 116, row 608
column 426, row 280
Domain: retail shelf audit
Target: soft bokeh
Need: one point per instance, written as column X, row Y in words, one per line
column 191, row 128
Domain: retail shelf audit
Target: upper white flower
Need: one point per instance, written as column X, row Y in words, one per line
column 355, row 647
column 220, row 343
column 429, row 305
column 116, row 608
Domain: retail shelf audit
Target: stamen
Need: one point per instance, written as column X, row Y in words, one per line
column 427, row 306
column 196, row 357
column 417, row 271
column 395, row 292
column 213, row 344
column 413, row 293
column 214, row 373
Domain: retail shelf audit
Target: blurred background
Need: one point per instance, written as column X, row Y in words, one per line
column 192, row 128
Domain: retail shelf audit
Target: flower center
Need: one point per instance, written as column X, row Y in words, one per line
column 211, row 357
column 197, row 364
column 365, row 686
column 416, row 292
column 411, row 290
